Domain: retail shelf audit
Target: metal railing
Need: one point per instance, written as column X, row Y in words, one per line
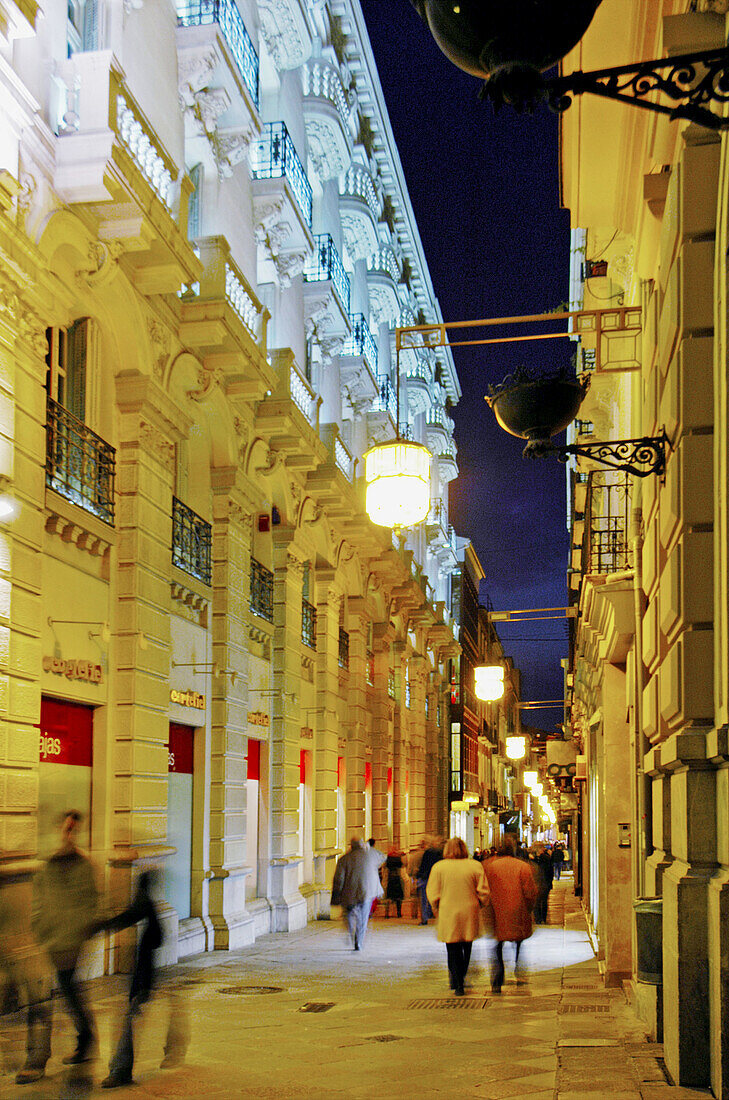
column 324, row 264
column 80, row 465
column 361, row 342
column 358, row 184
column 370, row 669
column 196, row 13
column 192, row 541
column 605, row 547
column 386, row 400
column 273, row 156
column 261, row 596
column 391, row 684
column 324, row 82
column 343, row 649
column 308, row 624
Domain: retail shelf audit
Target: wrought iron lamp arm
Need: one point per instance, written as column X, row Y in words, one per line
column 640, row 457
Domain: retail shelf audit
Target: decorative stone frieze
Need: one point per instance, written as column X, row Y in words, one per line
column 285, row 30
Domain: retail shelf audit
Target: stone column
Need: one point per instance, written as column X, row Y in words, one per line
column 418, row 685
column 400, row 749
column 328, row 603
column 616, row 918
column 382, row 705
column 289, row 907
column 357, row 623
column 232, row 524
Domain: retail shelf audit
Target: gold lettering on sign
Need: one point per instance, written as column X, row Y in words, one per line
column 187, row 699
column 307, row 734
column 258, row 718
column 73, row 670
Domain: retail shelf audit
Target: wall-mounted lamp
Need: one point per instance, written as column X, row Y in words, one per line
column 104, row 633
column 489, row 685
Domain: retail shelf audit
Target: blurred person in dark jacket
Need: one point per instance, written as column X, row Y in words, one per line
column 143, row 911
column 65, row 901
column 353, row 888
column 432, row 854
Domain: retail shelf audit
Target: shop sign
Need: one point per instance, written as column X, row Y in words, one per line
column 307, row 733
column 73, row 669
column 66, row 733
column 187, row 699
column 258, row 718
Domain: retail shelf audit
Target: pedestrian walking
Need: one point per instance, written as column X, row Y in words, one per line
column 377, row 859
column 543, row 860
column 432, row 854
column 513, row 894
column 352, row 888
column 143, row 910
column 557, row 860
column 395, row 866
column 64, row 905
column 457, row 890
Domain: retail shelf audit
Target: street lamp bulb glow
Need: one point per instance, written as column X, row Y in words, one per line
column 489, row 683
column 530, row 779
column 398, row 483
column 538, row 790
column 516, row 748
column 8, row 508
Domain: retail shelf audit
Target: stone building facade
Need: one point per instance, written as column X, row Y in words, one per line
column 206, row 242
column 648, row 200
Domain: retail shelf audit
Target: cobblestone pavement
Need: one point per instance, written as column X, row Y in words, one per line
column 303, row 1015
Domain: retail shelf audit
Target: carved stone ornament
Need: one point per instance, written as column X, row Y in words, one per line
column 207, row 107
column 230, row 148
column 288, row 266
column 319, row 316
column 26, row 196
column 295, row 565
column 330, row 347
column 155, row 443
column 103, row 261
column 159, row 338
column 327, row 150
column 286, row 39
column 195, row 68
column 207, row 378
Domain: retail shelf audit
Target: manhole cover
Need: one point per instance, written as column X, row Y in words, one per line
column 450, row 1002
column 383, row 1038
column 317, row 1006
column 566, row 1009
column 249, row 990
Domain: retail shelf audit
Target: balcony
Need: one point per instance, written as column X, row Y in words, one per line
column 225, row 317
column 358, row 364
column 446, row 456
column 286, row 32
column 436, row 524
column 419, row 376
column 261, row 593
column 605, row 545
column 191, row 542
column 439, row 428
column 343, row 649
column 225, row 20
column 382, row 417
column 326, row 297
column 282, row 206
column 110, row 159
column 359, row 212
column 288, row 417
column 383, row 278
column 17, row 20
column 327, row 116
column 80, row 465
column 308, row 624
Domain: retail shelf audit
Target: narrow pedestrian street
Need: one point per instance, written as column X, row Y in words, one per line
column 302, row 1015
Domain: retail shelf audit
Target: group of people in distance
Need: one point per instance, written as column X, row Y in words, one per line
column 501, row 891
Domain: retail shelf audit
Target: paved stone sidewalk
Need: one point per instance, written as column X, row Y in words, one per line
column 304, row 1016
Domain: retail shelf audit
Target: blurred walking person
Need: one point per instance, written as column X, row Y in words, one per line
column 65, row 901
column 513, row 894
column 432, row 854
column 395, row 865
column 541, row 864
column 142, row 909
column 557, row 860
column 376, row 858
column 352, row 889
column 457, row 890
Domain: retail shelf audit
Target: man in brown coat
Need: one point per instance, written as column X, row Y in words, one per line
column 513, row 894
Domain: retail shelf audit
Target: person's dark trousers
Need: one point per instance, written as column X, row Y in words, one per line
column 38, row 1038
column 425, row 911
column 459, row 956
column 497, row 975
column 557, row 870
column 122, row 1063
column 78, row 1011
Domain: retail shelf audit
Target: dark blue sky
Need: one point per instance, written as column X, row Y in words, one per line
column 485, row 191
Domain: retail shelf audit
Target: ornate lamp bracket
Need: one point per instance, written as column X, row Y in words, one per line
column 640, row 457
column 692, row 82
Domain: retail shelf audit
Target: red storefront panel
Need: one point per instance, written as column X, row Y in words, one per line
column 66, row 733
column 254, row 759
column 180, row 749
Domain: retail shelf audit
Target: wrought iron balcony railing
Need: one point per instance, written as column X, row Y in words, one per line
column 391, row 684
column 386, row 401
column 308, row 624
column 261, row 596
column 196, row 13
column 192, row 540
column 80, row 465
column 273, row 156
column 605, row 547
column 326, row 264
column 343, row 649
column 370, row 669
column 361, row 342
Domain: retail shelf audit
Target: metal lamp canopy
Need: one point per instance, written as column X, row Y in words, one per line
column 398, row 483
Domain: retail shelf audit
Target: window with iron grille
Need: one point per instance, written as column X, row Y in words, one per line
column 308, row 624
column 343, row 649
column 607, row 523
column 391, row 684
column 191, row 542
column 80, row 465
column 371, row 669
column 427, row 706
column 261, row 597
column 584, row 427
column 407, row 688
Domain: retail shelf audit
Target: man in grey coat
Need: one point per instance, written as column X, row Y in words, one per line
column 352, row 889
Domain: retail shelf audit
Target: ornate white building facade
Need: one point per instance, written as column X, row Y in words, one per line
column 206, row 243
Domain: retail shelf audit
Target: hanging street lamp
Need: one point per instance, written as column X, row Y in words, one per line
column 516, row 747
column 398, row 483
column 489, row 685
column 510, row 45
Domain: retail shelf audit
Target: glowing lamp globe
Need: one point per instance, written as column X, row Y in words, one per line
column 531, row 779
column 516, row 748
column 537, row 790
column 489, row 685
column 398, row 483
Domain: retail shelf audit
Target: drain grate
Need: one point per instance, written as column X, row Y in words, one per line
column 317, row 1006
column 450, row 1002
column 383, row 1038
column 249, row 990
column 581, row 989
column 564, row 1010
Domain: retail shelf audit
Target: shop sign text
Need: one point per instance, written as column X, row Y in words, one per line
column 73, row 670
column 187, row 699
column 258, row 718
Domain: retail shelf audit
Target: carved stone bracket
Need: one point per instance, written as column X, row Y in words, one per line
column 152, row 440
column 77, row 534
column 208, row 378
column 182, row 595
column 195, row 68
column 104, row 261
column 284, row 30
column 289, row 265
column 230, row 148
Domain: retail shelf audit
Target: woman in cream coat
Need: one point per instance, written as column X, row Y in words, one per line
column 456, row 891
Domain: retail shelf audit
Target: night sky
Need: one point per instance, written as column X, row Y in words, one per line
column 485, row 192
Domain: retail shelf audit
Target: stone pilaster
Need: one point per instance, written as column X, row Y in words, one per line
column 232, row 524
column 289, row 907
column 328, row 604
column 400, row 750
column 381, row 708
column 357, row 716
